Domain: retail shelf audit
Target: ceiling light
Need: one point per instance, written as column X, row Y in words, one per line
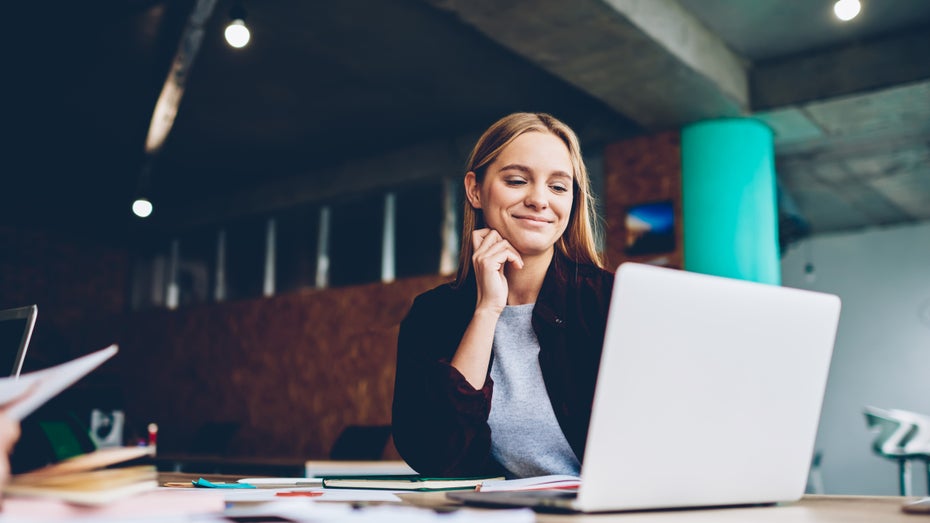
column 237, row 34
column 846, row 10
column 142, row 207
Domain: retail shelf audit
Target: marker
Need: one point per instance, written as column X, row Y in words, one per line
column 304, row 493
column 219, row 484
column 153, row 436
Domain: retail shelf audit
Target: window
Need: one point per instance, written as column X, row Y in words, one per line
column 419, row 223
column 245, row 258
column 196, row 266
column 298, row 230
column 355, row 241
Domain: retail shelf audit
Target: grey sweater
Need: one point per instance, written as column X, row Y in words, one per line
column 525, row 434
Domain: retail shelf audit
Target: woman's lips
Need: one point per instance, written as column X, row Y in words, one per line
column 533, row 219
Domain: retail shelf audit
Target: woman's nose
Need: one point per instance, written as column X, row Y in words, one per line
column 537, row 197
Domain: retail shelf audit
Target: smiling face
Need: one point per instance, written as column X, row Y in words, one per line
column 526, row 194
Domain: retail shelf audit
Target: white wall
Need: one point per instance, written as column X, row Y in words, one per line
column 882, row 353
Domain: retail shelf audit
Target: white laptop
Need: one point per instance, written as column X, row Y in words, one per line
column 708, row 394
column 15, row 332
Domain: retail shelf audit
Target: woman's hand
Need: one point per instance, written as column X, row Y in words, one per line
column 492, row 254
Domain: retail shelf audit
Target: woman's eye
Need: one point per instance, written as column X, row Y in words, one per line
column 559, row 188
column 515, row 181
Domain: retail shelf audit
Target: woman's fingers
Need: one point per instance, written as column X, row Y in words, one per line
column 491, row 247
column 478, row 236
column 502, row 252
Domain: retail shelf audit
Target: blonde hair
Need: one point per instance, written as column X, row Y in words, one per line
column 578, row 243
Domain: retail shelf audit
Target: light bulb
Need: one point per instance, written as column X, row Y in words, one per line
column 846, row 10
column 142, row 208
column 237, row 34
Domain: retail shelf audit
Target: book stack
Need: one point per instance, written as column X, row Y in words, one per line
column 89, row 479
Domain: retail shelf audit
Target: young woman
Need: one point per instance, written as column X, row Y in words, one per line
column 496, row 371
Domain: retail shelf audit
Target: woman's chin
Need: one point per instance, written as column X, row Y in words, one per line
column 534, row 250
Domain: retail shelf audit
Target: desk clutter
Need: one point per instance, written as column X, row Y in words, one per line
column 317, row 505
column 224, row 499
column 89, row 479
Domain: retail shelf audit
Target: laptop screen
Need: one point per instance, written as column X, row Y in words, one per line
column 15, row 332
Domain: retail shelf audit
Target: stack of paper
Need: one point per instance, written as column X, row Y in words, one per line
column 85, row 480
column 331, row 468
column 408, row 482
column 554, row 481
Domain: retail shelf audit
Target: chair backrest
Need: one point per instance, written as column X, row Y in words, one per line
column 361, row 442
column 899, row 432
column 919, row 442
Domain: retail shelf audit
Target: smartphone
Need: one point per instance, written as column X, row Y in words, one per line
column 921, row 506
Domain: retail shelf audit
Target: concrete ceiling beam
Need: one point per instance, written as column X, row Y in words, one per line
column 861, row 67
column 650, row 60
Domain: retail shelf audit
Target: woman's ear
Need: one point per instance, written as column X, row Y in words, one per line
column 472, row 189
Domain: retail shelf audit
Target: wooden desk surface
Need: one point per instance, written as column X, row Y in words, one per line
column 811, row 509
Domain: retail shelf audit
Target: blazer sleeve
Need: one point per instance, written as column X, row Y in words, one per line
column 440, row 422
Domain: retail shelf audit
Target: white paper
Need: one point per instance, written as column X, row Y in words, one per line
column 282, row 482
column 531, row 483
column 345, row 495
column 20, row 396
column 394, row 513
column 326, row 468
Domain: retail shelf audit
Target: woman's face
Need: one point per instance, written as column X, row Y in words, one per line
column 526, row 195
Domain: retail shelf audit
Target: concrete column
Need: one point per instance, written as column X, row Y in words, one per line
column 730, row 213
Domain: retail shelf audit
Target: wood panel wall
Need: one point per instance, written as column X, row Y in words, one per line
column 291, row 371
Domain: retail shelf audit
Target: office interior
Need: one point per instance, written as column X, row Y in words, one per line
column 306, row 186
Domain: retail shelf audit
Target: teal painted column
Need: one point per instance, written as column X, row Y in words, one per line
column 729, row 204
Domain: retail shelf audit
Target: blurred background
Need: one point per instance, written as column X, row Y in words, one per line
column 306, row 185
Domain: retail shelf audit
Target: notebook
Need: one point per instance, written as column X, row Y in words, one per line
column 15, row 332
column 708, row 394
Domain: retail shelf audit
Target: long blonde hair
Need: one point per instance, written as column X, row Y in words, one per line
column 578, row 243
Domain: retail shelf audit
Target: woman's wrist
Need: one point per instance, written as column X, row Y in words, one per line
column 487, row 312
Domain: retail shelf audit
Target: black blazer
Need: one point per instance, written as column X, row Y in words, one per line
column 440, row 422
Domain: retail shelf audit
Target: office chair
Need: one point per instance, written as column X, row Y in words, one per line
column 361, row 442
column 815, row 476
column 903, row 436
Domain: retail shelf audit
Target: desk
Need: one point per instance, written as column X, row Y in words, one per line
column 811, row 509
